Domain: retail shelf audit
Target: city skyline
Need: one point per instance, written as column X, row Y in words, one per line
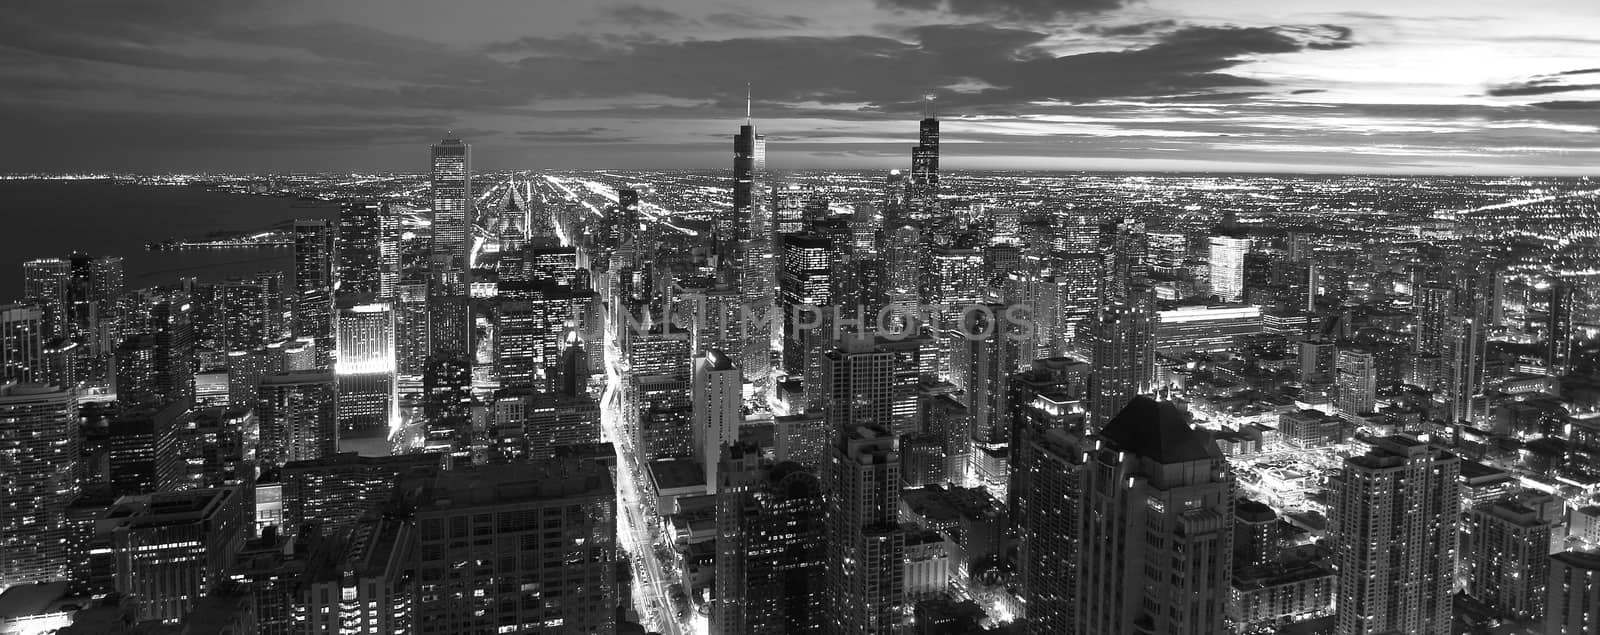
column 1234, row 85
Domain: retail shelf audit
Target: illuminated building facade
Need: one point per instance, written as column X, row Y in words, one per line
column 173, row 548
column 21, row 343
column 452, row 215
column 366, row 365
column 1206, row 328
column 299, row 416
column 543, row 537
column 1227, row 266
column 1394, row 525
column 864, row 577
column 1157, row 538
column 39, row 446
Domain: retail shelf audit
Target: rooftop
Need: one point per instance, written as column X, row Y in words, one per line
column 1159, row 431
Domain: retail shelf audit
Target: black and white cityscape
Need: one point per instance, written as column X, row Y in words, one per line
column 1066, row 332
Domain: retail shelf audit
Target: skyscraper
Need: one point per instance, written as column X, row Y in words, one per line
column 46, row 282
column 39, row 449
column 749, row 167
column 769, row 543
column 1049, row 493
column 1574, row 593
column 21, row 343
column 173, row 548
column 1228, row 250
column 1157, row 537
column 806, row 284
column 1123, row 354
column 1396, row 511
column 1356, row 374
column 368, row 249
column 866, row 545
column 716, row 395
column 299, row 416
column 541, row 540
column 452, row 215
column 366, row 367
column 313, row 285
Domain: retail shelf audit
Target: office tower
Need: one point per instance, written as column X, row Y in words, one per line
column 556, row 265
column 39, row 446
column 1123, row 354
column 1573, row 596
column 866, row 545
column 545, row 528
column 1505, row 554
column 453, row 216
column 368, row 248
column 717, row 399
column 334, row 492
column 274, row 285
column 806, row 293
column 447, row 405
column 536, row 425
column 413, row 343
column 299, row 416
column 1558, row 328
column 1049, row 492
column 46, row 283
column 159, row 355
column 857, row 385
column 366, row 368
column 313, row 286
column 1168, row 251
column 1157, row 540
column 1227, row 265
column 21, row 343
column 243, row 307
column 802, row 438
column 171, row 549
column 922, row 188
column 1356, row 375
column 1396, row 511
column 1073, row 295
column 139, row 443
column 450, row 328
column 749, row 168
column 213, row 447
column 769, row 547
column 360, row 582
column 1126, row 250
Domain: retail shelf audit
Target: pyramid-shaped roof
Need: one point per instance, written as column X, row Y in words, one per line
column 1158, row 431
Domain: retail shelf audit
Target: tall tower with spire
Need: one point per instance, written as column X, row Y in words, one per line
column 744, row 238
column 923, row 186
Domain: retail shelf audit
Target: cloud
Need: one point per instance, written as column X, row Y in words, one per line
column 595, row 134
column 1536, row 88
column 752, row 21
column 1016, row 10
column 1547, row 84
column 638, row 15
column 1125, row 30
column 1568, row 105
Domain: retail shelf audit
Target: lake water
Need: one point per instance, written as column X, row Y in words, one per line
column 43, row 219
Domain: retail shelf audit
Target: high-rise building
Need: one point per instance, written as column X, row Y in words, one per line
column 1573, row 596
column 865, row 542
column 413, row 341
column 857, row 385
column 366, row 365
column 334, row 492
column 716, row 396
column 313, row 286
column 1049, row 492
column 769, row 557
column 359, row 582
column 1396, row 514
column 452, row 215
column 39, row 449
column 749, row 167
column 243, row 306
column 368, row 249
column 1356, row 375
column 299, row 416
column 806, row 293
column 47, row 283
column 1505, row 554
column 1227, row 266
column 21, row 343
column 1157, row 541
column 1558, row 328
column 173, row 548
column 538, row 542
column 1123, row 354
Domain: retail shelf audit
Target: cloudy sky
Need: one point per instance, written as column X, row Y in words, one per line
column 1408, row 86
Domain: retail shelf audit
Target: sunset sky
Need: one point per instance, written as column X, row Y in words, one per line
column 1400, row 86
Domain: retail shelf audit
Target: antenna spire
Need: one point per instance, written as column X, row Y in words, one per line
column 747, row 103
